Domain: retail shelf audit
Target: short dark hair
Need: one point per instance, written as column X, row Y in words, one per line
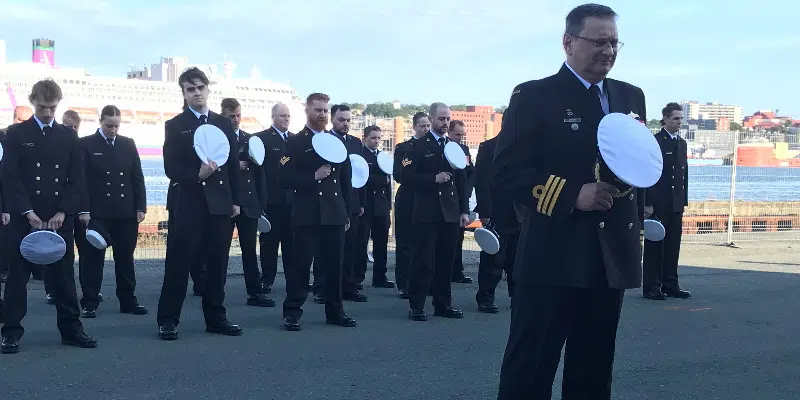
column 71, row 114
column 318, row 97
column 230, row 104
column 46, row 90
column 110, row 111
column 666, row 111
column 339, row 107
column 418, row 116
column 370, row 129
column 454, row 123
column 579, row 14
column 192, row 74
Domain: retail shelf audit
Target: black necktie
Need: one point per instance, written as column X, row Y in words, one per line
column 595, row 90
column 441, row 141
column 47, row 129
column 110, row 142
column 203, row 119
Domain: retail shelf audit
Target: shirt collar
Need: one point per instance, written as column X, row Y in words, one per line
column 312, row 130
column 197, row 114
column 104, row 135
column 284, row 134
column 584, row 81
column 435, row 135
column 42, row 124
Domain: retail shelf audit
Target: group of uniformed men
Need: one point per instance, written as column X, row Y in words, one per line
column 578, row 235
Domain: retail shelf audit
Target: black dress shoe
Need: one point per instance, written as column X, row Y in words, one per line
column 168, row 331
column 341, row 320
column 357, row 297
column 403, row 294
column 260, row 300
column 50, row 299
column 319, row 299
column 134, row 309
column 461, row 279
column 359, row 286
column 266, row 289
column 79, row 340
column 225, row 328
column 654, row 296
column 488, row 308
column 291, row 324
column 448, row 312
column 417, row 315
column 88, row 313
column 677, row 293
column 383, row 284
column 10, row 345
column 100, row 297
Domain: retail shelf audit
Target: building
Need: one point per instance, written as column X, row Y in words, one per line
column 694, row 110
column 768, row 119
column 480, row 122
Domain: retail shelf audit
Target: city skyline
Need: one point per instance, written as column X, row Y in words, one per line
column 425, row 51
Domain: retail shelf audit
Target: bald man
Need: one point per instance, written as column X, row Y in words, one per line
column 279, row 200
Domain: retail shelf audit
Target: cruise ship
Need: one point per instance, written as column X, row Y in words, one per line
column 147, row 96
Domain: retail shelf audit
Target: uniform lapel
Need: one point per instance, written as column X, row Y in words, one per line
column 616, row 102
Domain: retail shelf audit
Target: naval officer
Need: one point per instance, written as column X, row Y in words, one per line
column 319, row 218
column 457, row 132
column 43, row 187
column 440, row 209
column 404, row 204
column 206, row 200
column 579, row 243
column 666, row 200
column 118, row 202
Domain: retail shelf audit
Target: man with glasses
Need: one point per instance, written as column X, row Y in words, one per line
column 579, row 245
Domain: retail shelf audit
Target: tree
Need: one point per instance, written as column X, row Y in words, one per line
column 734, row 127
column 654, row 124
column 501, row 109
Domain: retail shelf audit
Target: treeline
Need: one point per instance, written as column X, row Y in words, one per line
column 387, row 110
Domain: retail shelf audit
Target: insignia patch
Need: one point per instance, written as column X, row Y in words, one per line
column 406, row 162
column 284, row 160
column 575, row 127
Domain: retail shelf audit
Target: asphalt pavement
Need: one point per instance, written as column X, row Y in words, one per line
column 737, row 338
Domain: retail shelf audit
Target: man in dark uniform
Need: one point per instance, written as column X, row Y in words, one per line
column 666, row 200
column 375, row 219
column 404, row 205
column 497, row 212
column 319, row 217
column 457, row 133
column 5, row 218
column 579, row 243
column 279, row 199
column 351, row 282
column 117, row 200
column 43, row 186
column 206, row 200
column 253, row 201
column 440, row 208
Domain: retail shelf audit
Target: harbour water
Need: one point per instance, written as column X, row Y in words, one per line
column 705, row 183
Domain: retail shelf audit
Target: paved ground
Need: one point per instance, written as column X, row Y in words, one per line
column 738, row 338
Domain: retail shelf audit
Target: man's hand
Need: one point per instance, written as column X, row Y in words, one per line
column 34, row 220
column 347, row 227
column 6, row 218
column 648, row 211
column 323, row 172
column 243, row 165
column 485, row 221
column 464, row 220
column 236, row 211
column 443, row 177
column 596, row 197
column 139, row 216
column 361, row 212
column 206, row 170
column 56, row 222
column 84, row 218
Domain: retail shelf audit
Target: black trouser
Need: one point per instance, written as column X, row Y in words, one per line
column 660, row 267
column 458, row 264
column 197, row 271
column 543, row 318
column 432, row 257
column 124, row 234
column 62, row 283
column 279, row 217
column 491, row 267
column 403, row 238
column 247, row 229
column 378, row 229
column 322, row 245
column 196, row 238
column 350, row 259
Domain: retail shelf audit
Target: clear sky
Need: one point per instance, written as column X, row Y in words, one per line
column 421, row 51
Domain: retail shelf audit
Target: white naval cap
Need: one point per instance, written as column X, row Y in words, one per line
column 629, row 150
column 43, row 247
column 210, row 143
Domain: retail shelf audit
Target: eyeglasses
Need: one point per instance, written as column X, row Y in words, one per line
column 602, row 43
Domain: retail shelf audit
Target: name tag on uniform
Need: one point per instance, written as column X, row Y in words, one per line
column 429, row 155
column 276, row 149
column 186, row 132
column 28, row 144
column 571, row 120
column 669, row 153
column 97, row 154
column 307, row 150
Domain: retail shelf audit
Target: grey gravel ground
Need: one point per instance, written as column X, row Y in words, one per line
column 738, row 338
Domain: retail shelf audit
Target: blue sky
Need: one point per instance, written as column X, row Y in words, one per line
column 420, row 51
